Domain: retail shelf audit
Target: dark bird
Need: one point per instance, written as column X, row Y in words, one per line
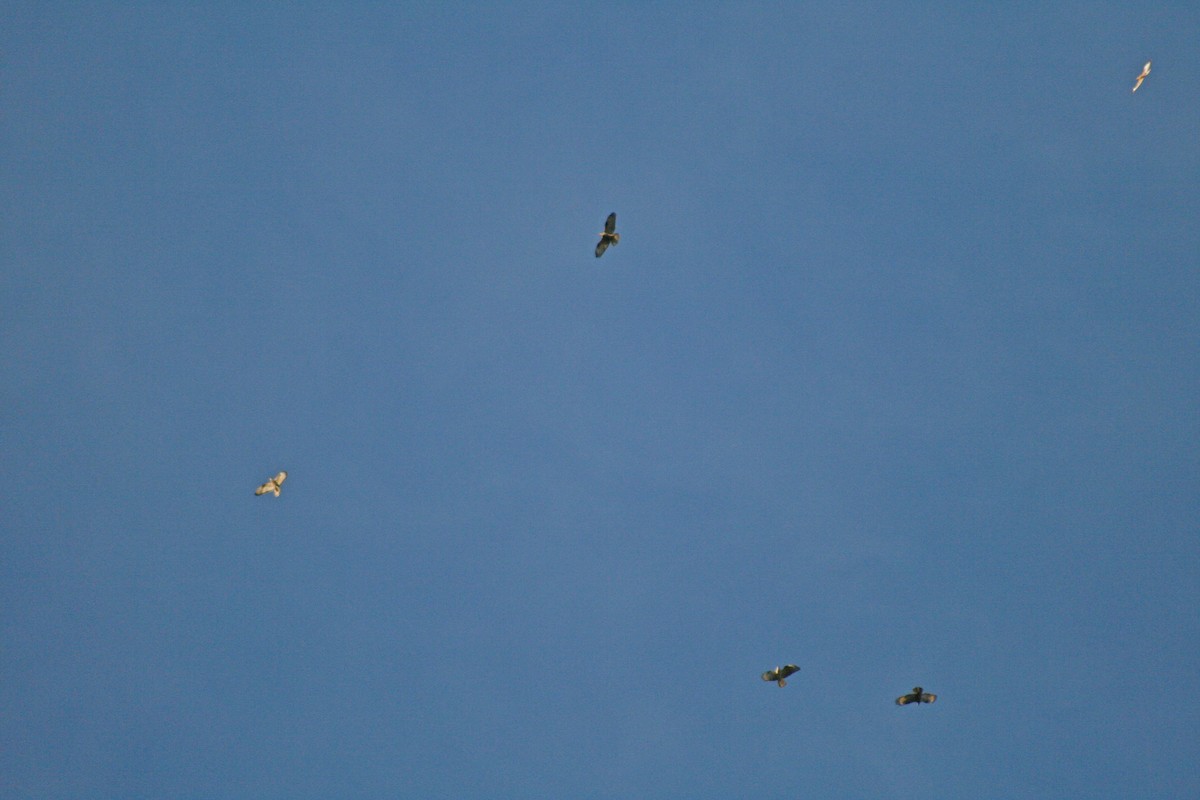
column 609, row 235
column 779, row 674
column 918, row 696
column 272, row 485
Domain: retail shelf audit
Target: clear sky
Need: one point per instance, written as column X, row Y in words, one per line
column 893, row 375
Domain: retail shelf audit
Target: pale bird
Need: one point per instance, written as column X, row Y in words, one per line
column 1142, row 77
column 779, row 674
column 918, row 696
column 272, row 485
column 609, row 235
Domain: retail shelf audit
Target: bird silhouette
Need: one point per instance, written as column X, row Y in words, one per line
column 779, row 674
column 272, row 485
column 609, row 235
column 1142, row 77
column 918, row 696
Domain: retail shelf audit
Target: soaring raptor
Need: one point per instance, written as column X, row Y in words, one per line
column 1142, row 77
column 918, row 696
column 779, row 674
column 609, row 235
column 272, row 485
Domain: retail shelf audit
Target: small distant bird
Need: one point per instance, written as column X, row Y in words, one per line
column 609, row 235
column 779, row 674
column 918, row 696
column 272, row 485
column 1142, row 77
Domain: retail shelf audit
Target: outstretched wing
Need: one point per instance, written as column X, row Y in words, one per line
column 788, row 669
column 928, row 698
column 601, row 246
column 280, row 478
column 266, row 487
column 905, row 699
column 1142, row 77
column 610, row 224
column 771, row 675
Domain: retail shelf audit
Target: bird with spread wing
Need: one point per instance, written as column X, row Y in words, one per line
column 918, row 696
column 779, row 674
column 1142, row 77
column 609, row 235
column 272, row 485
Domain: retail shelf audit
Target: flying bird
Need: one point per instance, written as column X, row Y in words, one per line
column 609, row 235
column 918, row 696
column 779, row 674
column 1142, row 77
column 272, row 485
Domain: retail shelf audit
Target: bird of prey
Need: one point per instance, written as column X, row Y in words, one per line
column 272, row 485
column 918, row 696
column 779, row 674
column 609, row 235
column 1142, row 77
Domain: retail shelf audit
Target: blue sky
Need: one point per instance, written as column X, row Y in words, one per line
column 893, row 375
